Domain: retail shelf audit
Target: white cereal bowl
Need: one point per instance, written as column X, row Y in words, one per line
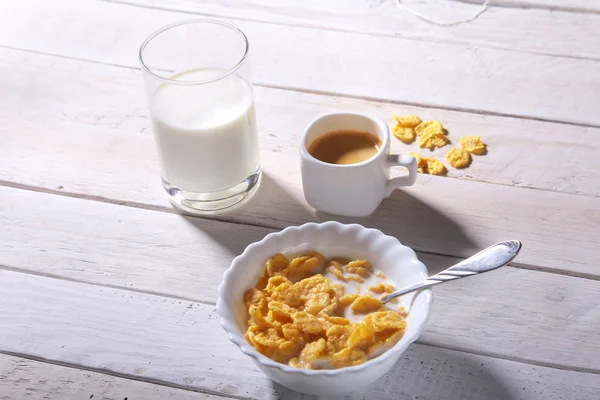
column 385, row 253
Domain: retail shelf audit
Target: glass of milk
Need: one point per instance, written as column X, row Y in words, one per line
column 199, row 93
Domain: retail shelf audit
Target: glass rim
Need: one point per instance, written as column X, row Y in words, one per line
column 187, row 22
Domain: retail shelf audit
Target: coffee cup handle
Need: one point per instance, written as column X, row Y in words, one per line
column 404, row 161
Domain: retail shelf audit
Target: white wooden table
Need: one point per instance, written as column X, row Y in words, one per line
column 107, row 293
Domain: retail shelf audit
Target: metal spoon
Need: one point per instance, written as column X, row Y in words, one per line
column 486, row 260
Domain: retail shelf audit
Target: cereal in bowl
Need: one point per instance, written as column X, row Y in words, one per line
column 315, row 313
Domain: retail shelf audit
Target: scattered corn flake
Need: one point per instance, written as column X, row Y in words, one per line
column 473, row 145
column 458, row 157
column 426, row 127
column 432, row 140
column 379, row 273
column 405, row 134
column 421, row 165
column 434, row 167
column 408, row 121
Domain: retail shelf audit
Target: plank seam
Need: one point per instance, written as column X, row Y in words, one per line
column 342, row 30
column 594, row 371
column 103, row 285
column 526, row 6
column 132, row 204
column 340, row 95
column 120, row 375
column 418, row 341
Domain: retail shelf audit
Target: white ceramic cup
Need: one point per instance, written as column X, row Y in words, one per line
column 354, row 190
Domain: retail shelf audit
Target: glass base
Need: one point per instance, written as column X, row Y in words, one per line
column 213, row 202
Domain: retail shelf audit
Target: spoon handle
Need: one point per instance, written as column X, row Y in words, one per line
column 486, row 260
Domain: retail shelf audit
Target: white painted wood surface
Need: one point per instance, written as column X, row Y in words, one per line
column 517, row 29
column 151, row 337
column 572, row 5
column 119, row 165
column 549, row 156
column 462, row 209
column 163, row 253
column 293, row 57
column 22, row 379
column 98, row 273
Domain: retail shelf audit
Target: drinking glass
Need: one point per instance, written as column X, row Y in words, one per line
column 200, row 98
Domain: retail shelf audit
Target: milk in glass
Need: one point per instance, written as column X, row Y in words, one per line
column 206, row 133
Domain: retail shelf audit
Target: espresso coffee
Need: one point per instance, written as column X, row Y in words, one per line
column 344, row 147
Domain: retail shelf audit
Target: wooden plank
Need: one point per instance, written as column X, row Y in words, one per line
column 464, row 213
column 570, row 5
column 326, row 61
column 21, row 378
column 43, row 147
column 184, row 258
column 519, row 29
column 50, row 93
column 180, row 342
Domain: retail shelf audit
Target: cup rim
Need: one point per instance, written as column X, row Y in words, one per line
column 383, row 148
column 212, row 21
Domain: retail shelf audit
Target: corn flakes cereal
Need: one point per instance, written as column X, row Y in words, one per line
column 473, row 145
column 381, row 288
column 431, row 135
column 358, row 267
column 301, row 267
column 458, row 157
column 277, row 264
column 405, row 134
column 297, row 316
column 348, row 357
column 365, row 304
column 355, row 278
column 404, row 127
column 421, row 165
column 348, row 299
column 434, row 167
column 428, row 127
column 432, row 140
column 408, row 121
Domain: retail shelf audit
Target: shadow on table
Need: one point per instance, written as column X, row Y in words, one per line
column 416, row 224
column 430, row 373
column 235, row 239
column 413, row 221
